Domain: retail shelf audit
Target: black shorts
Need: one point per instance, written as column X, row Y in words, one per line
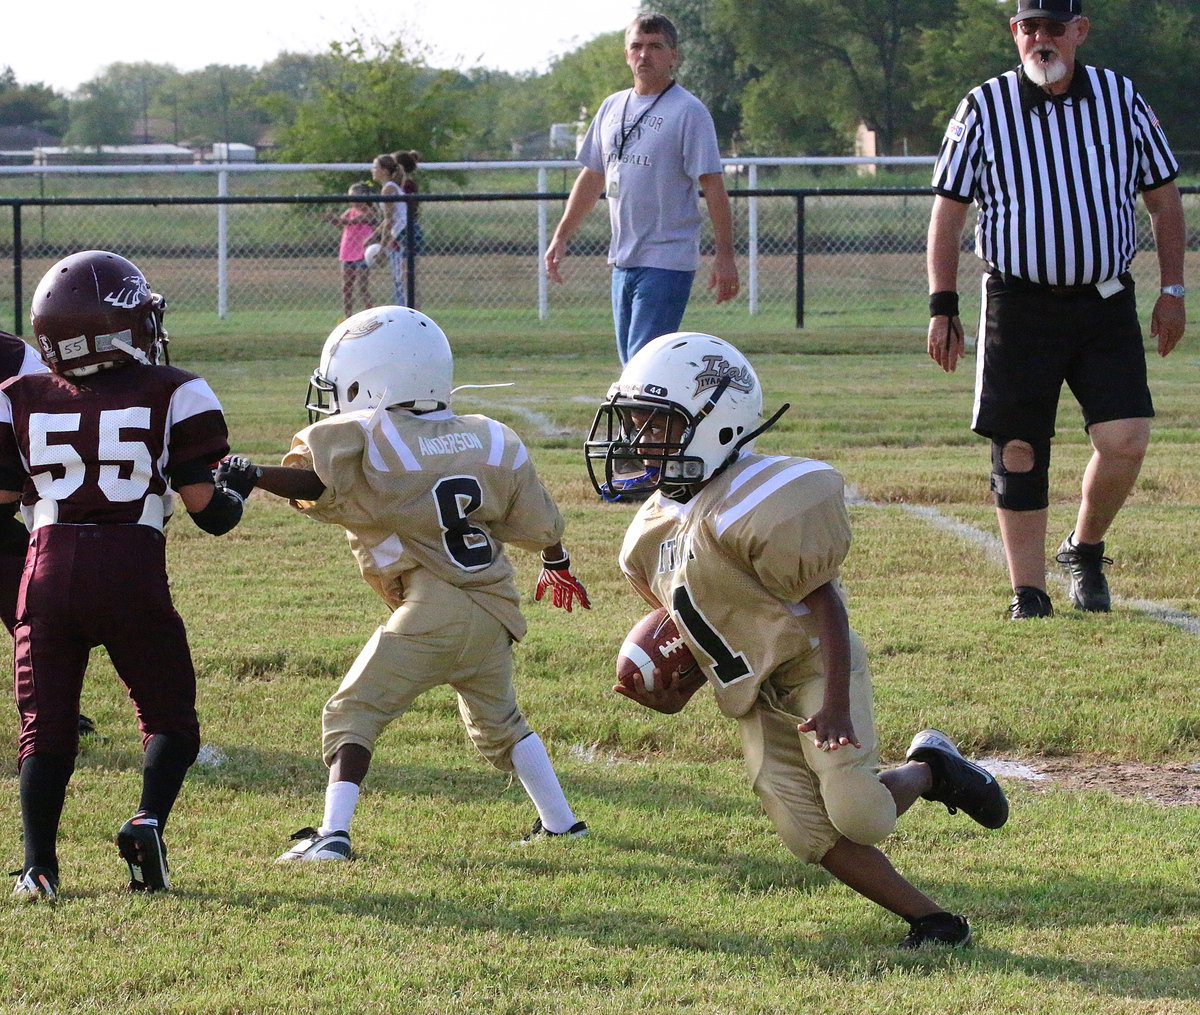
column 1035, row 340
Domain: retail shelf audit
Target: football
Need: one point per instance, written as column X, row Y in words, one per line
column 374, row 255
column 653, row 643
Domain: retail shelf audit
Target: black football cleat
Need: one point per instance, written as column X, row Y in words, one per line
column 36, row 884
column 142, row 847
column 958, row 783
column 540, row 831
column 1083, row 564
column 937, row 929
column 1029, row 603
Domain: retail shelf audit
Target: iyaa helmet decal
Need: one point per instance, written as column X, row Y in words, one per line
column 683, row 408
column 717, row 368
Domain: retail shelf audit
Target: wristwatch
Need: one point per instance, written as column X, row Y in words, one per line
column 1177, row 291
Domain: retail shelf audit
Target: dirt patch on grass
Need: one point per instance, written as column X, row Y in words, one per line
column 1168, row 783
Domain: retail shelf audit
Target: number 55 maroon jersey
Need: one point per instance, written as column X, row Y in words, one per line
column 101, row 449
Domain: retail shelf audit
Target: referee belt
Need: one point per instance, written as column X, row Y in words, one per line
column 1018, row 284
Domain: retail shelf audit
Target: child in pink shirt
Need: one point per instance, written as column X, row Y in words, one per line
column 358, row 225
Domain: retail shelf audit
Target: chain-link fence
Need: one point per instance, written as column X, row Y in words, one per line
column 809, row 256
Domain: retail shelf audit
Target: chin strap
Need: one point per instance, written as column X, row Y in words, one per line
column 132, row 351
column 764, row 428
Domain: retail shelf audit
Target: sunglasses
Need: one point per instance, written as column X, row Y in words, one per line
column 1055, row 29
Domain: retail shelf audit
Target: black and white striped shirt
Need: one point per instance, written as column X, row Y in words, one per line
column 1055, row 179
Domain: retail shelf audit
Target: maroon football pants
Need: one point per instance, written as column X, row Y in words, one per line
column 90, row 585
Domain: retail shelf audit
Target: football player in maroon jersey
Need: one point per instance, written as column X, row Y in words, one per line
column 16, row 357
column 95, row 452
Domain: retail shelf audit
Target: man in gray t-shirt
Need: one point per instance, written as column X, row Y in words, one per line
column 650, row 149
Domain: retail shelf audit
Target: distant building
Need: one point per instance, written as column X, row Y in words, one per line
column 865, row 147
column 562, row 138
column 17, row 144
column 113, row 154
column 231, row 151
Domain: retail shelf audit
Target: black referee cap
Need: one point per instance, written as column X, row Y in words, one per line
column 1053, row 10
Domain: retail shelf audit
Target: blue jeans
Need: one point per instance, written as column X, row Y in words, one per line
column 399, row 267
column 647, row 302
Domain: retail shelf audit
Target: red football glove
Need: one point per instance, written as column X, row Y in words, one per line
column 556, row 575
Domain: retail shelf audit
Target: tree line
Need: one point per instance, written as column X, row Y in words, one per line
column 782, row 77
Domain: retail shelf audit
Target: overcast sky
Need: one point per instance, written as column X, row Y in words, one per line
column 71, row 41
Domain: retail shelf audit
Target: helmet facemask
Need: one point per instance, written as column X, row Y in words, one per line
column 643, row 446
column 684, row 407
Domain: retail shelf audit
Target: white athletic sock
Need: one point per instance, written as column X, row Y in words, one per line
column 340, row 801
column 537, row 776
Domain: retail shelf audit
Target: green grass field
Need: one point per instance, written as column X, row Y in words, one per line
column 683, row 899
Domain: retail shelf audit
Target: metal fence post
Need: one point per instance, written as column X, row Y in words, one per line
column 543, row 294
column 752, row 242
column 410, row 250
column 222, row 246
column 18, row 311
column 800, row 260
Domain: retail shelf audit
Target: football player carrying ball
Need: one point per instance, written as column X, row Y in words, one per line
column 744, row 551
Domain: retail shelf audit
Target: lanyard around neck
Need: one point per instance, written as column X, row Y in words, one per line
column 626, row 133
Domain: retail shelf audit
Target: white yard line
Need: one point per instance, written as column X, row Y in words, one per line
column 545, row 425
column 994, row 550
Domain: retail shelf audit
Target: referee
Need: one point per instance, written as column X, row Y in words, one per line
column 1054, row 153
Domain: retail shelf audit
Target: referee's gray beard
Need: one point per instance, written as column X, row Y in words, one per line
column 1044, row 66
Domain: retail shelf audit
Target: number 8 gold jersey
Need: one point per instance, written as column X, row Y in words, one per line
column 430, row 490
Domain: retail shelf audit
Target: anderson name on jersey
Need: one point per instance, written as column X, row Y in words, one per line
column 434, row 490
column 733, row 564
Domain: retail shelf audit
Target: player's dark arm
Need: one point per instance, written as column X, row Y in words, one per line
column 242, row 475
column 292, row 484
column 831, row 727
column 14, row 537
column 212, row 508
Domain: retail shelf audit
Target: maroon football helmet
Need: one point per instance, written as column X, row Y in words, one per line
column 94, row 310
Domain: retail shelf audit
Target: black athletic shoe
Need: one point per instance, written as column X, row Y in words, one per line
column 938, row 929
column 87, row 727
column 36, row 884
column 1029, row 603
column 142, row 847
column 1084, row 565
column 958, row 783
column 539, row 831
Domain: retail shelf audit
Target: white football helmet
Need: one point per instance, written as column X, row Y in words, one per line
column 382, row 357
column 682, row 409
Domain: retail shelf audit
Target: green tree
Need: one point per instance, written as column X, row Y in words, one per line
column 849, row 58
column 498, row 107
column 33, row 105
column 709, row 67
column 220, row 103
column 583, row 78
column 372, row 97
column 101, row 114
column 974, row 42
column 1156, row 45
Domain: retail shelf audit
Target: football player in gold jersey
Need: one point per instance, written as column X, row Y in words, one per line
column 744, row 550
column 428, row 500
